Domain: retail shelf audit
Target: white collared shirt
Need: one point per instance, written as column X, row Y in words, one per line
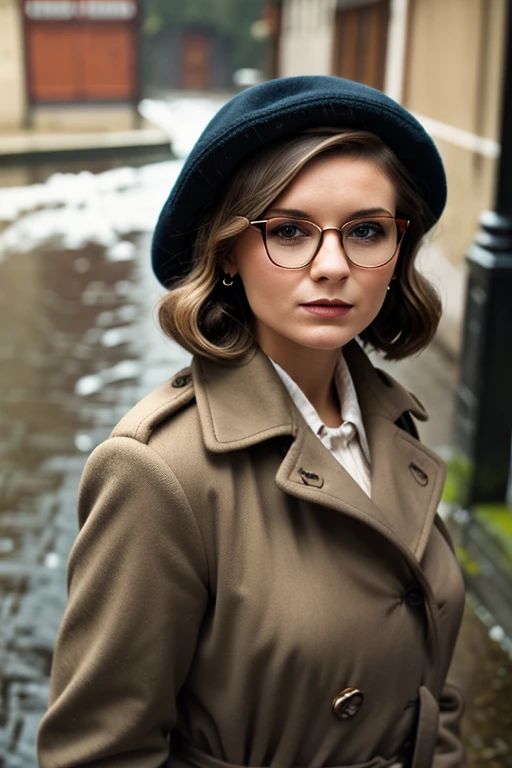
column 347, row 443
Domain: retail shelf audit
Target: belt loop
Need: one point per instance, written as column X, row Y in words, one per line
column 426, row 731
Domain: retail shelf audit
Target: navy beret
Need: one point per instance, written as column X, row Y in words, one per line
column 261, row 114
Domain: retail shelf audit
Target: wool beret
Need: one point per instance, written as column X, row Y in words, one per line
column 267, row 112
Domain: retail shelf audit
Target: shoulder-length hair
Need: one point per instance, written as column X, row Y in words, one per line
column 208, row 319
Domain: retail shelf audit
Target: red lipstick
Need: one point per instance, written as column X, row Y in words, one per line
column 327, row 307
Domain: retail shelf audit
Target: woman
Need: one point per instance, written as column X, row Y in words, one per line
column 261, row 577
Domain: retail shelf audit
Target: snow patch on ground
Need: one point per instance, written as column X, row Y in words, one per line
column 182, row 119
column 73, row 209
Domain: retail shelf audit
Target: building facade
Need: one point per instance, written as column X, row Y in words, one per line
column 12, row 70
column 69, row 64
column 443, row 60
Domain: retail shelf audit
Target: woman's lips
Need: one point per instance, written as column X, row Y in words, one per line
column 327, row 308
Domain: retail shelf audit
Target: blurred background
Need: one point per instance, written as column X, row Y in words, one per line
column 101, row 100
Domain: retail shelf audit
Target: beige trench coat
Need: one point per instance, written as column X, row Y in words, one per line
column 230, row 580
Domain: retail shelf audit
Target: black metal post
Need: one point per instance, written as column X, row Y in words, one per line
column 483, row 418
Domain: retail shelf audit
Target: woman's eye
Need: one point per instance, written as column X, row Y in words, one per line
column 288, row 231
column 366, row 230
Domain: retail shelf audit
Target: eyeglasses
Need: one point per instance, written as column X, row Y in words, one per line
column 366, row 242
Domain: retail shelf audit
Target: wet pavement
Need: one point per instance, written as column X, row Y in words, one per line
column 78, row 347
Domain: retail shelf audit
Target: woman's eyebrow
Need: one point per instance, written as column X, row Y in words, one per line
column 297, row 213
column 371, row 212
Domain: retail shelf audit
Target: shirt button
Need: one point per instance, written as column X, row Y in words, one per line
column 348, row 431
column 347, row 703
column 414, row 596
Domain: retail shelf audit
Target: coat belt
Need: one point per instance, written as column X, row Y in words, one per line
column 185, row 755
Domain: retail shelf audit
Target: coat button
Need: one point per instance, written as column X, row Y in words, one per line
column 182, row 380
column 419, row 475
column 347, row 703
column 310, row 478
column 414, row 596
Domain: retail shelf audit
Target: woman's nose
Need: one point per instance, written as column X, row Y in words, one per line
column 330, row 262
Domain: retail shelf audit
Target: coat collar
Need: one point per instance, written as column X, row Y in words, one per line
column 245, row 404
column 241, row 404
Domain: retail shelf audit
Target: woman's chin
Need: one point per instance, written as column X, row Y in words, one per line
column 326, row 340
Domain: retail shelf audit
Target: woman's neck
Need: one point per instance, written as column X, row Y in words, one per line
column 313, row 371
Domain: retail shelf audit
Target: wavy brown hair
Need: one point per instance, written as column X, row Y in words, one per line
column 207, row 319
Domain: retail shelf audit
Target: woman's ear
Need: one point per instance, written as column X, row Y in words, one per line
column 227, row 264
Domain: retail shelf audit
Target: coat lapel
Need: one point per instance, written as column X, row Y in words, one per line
column 311, row 473
column 245, row 404
column 407, row 482
column 407, row 477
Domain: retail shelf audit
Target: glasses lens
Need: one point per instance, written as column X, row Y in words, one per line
column 366, row 242
column 370, row 242
column 291, row 242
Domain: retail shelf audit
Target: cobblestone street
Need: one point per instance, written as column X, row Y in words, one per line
column 78, row 347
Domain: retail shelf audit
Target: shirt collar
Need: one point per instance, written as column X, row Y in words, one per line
column 350, row 409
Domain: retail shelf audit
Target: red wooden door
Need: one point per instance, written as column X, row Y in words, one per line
column 52, row 62
column 360, row 43
column 81, row 58
column 108, row 56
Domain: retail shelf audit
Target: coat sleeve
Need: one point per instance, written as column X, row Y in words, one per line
column 138, row 589
column 450, row 752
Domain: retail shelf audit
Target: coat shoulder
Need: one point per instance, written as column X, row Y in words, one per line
column 157, row 407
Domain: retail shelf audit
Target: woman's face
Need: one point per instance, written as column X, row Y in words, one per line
column 287, row 303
